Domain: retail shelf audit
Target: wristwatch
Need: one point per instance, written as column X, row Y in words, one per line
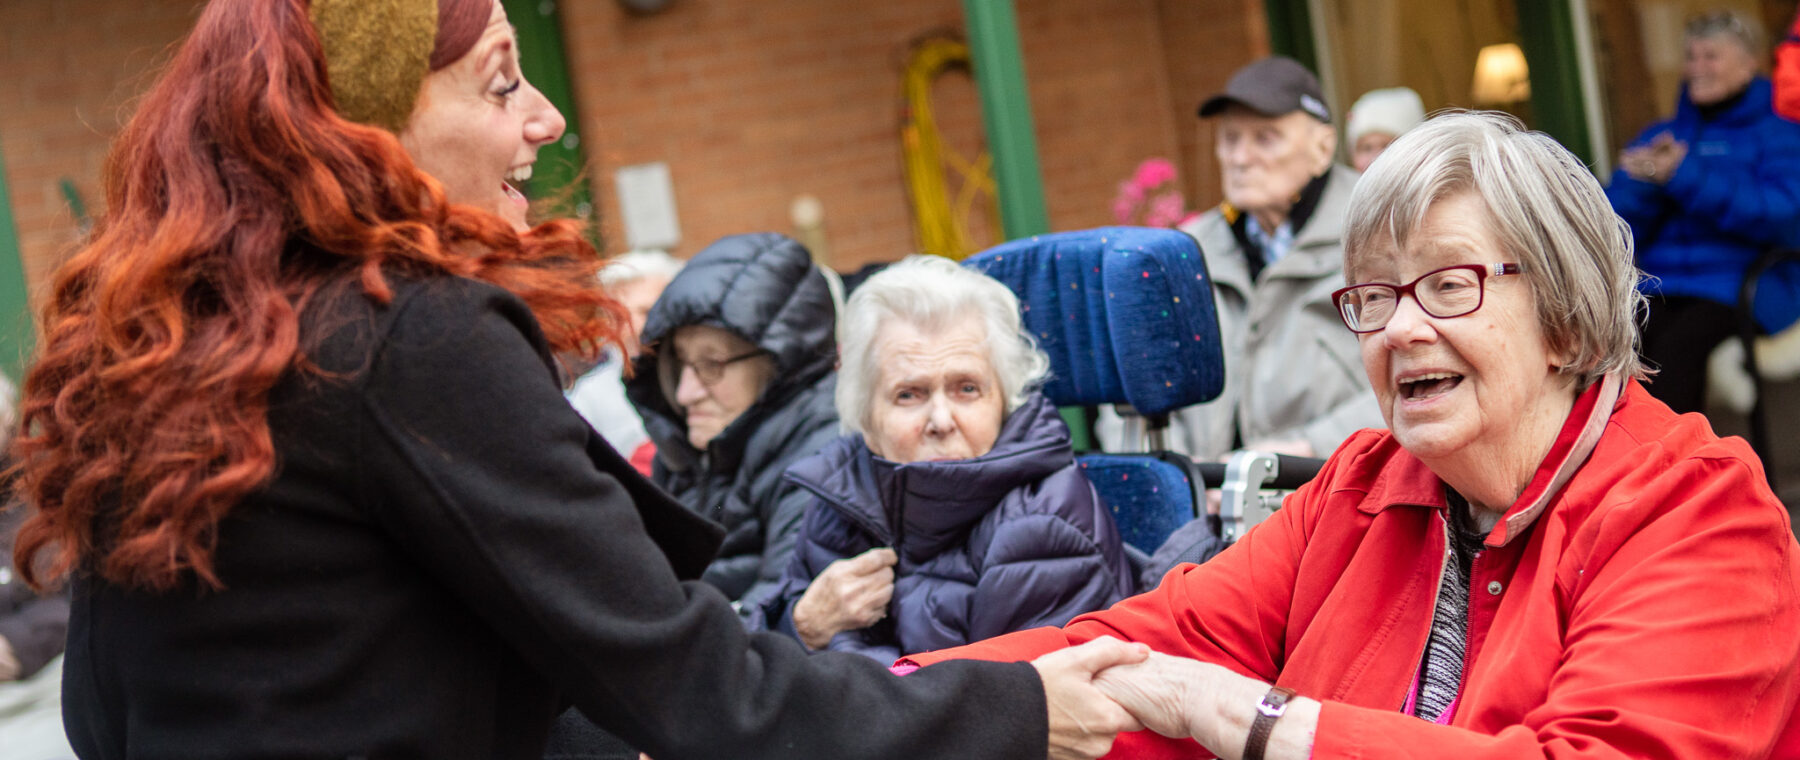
column 1273, row 705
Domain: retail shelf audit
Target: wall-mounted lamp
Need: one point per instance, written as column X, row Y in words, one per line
column 1501, row 76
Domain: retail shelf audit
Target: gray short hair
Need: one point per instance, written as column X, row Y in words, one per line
column 931, row 293
column 1746, row 30
column 1543, row 206
column 636, row 265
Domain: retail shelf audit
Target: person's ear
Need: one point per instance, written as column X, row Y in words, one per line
column 1327, row 148
column 1562, row 354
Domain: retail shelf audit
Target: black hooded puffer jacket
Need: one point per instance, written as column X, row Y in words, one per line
column 765, row 288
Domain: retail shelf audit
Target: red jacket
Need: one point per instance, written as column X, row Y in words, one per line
column 1645, row 609
column 1787, row 74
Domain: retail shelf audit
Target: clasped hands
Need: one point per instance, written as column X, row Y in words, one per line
column 1093, row 692
column 1104, row 687
column 1655, row 162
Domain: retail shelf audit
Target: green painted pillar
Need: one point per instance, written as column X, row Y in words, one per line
column 561, row 172
column 1012, row 140
column 1547, row 35
column 15, row 310
column 1006, row 112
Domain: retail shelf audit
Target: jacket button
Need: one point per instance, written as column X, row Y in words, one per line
column 1494, row 588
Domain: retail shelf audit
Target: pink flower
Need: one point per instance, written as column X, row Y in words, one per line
column 1165, row 211
column 1153, row 172
column 1127, row 203
column 1151, row 197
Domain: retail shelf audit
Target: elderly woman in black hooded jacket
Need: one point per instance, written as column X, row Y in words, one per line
column 954, row 511
column 735, row 386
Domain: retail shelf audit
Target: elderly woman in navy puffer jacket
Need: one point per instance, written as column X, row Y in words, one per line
column 955, row 510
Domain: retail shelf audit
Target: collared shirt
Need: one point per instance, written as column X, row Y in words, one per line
column 1273, row 246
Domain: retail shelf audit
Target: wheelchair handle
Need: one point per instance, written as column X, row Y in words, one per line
column 1290, row 472
column 1248, row 475
column 1294, row 472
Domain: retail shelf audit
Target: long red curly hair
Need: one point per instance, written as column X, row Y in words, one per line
column 235, row 194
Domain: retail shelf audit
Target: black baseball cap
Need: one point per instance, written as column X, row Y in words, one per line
column 1273, row 86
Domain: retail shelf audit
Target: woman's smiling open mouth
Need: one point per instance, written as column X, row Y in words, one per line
column 516, row 177
column 1429, row 386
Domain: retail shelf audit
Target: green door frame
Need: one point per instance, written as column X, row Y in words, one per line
column 1547, row 33
column 16, row 336
column 1291, row 31
column 561, row 172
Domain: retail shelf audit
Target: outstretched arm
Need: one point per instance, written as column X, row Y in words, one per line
column 504, row 506
column 1182, row 698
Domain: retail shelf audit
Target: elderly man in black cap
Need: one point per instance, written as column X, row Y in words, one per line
column 1294, row 378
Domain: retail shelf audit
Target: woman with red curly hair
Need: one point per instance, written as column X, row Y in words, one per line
column 296, row 435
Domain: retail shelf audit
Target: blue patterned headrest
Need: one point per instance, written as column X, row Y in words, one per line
column 1149, row 497
column 1125, row 313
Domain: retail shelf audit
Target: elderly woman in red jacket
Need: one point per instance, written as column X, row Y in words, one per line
column 1537, row 559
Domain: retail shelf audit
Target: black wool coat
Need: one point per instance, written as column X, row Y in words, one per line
column 447, row 555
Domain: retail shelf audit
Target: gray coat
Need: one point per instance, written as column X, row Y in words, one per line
column 1292, row 370
column 765, row 288
column 32, row 625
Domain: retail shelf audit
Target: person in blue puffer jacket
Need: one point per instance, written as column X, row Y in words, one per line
column 1706, row 192
column 954, row 510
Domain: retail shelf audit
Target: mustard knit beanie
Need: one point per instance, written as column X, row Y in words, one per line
column 377, row 53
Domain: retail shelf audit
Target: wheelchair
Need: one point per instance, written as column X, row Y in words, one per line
column 1127, row 318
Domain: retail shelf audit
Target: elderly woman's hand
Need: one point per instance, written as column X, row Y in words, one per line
column 1156, row 691
column 1656, row 162
column 850, row 594
column 1084, row 720
column 1178, row 698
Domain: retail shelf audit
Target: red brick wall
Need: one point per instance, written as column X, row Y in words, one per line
column 1231, row 34
column 751, row 104
column 67, row 70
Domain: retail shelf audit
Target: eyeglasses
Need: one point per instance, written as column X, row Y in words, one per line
column 1443, row 293
column 709, row 371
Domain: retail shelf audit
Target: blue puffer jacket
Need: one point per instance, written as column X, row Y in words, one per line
column 1009, row 540
column 1735, row 195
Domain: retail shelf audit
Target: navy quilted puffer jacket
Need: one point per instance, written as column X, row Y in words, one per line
column 1010, row 540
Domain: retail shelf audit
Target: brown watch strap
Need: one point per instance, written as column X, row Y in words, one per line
column 1273, row 705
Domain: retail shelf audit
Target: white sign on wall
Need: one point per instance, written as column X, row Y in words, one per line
column 647, row 206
